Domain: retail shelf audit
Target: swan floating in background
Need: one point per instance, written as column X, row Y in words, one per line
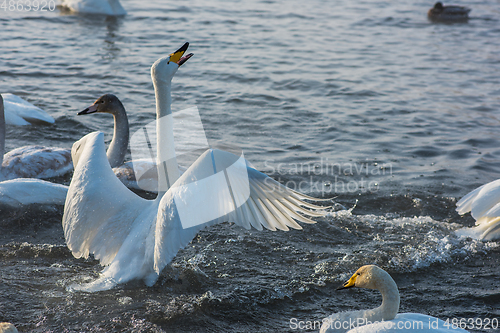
column 31, row 161
column 136, row 238
column 440, row 13
column 20, row 112
column 484, row 205
column 23, row 191
column 385, row 318
column 104, row 7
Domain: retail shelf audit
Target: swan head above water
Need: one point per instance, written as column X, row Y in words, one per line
column 108, row 103
column 165, row 68
column 162, row 72
column 369, row 277
column 385, row 318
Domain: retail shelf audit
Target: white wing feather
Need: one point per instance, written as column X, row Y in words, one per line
column 100, row 211
column 268, row 203
column 484, row 205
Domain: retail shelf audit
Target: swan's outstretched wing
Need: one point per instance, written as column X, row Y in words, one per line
column 480, row 200
column 20, row 112
column 99, row 211
column 222, row 187
column 24, row 191
column 484, row 205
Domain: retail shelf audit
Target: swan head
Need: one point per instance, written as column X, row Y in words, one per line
column 108, row 103
column 165, row 68
column 369, row 277
column 374, row 277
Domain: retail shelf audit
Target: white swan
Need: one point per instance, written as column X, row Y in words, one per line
column 484, row 205
column 31, row 161
column 385, row 318
column 19, row 112
column 104, row 7
column 136, row 238
column 22, row 191
column 25, row 191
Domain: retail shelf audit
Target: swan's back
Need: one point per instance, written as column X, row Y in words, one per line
column 409, row 323
column 342, row 322
column 36, row 162
column 21, row 191
column 103, row 7
column 20, row 112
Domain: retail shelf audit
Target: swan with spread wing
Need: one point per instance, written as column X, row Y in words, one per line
column 136, row 238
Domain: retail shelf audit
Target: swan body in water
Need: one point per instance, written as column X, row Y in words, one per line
column 440, row 13
column 136, row 238
column 20, row 112
column 25, row 191
column 31, row 161
column 484, row 205
column 104, row 7
column 385, row 318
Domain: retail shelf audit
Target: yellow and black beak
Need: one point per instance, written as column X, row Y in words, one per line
column 178, row 56
column 350, row 283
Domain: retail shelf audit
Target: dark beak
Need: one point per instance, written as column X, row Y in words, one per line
column 89, row 110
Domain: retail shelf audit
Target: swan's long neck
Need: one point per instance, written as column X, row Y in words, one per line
column 390, row 299
column 168, row 170
column 2, row 132
column 118, row 146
